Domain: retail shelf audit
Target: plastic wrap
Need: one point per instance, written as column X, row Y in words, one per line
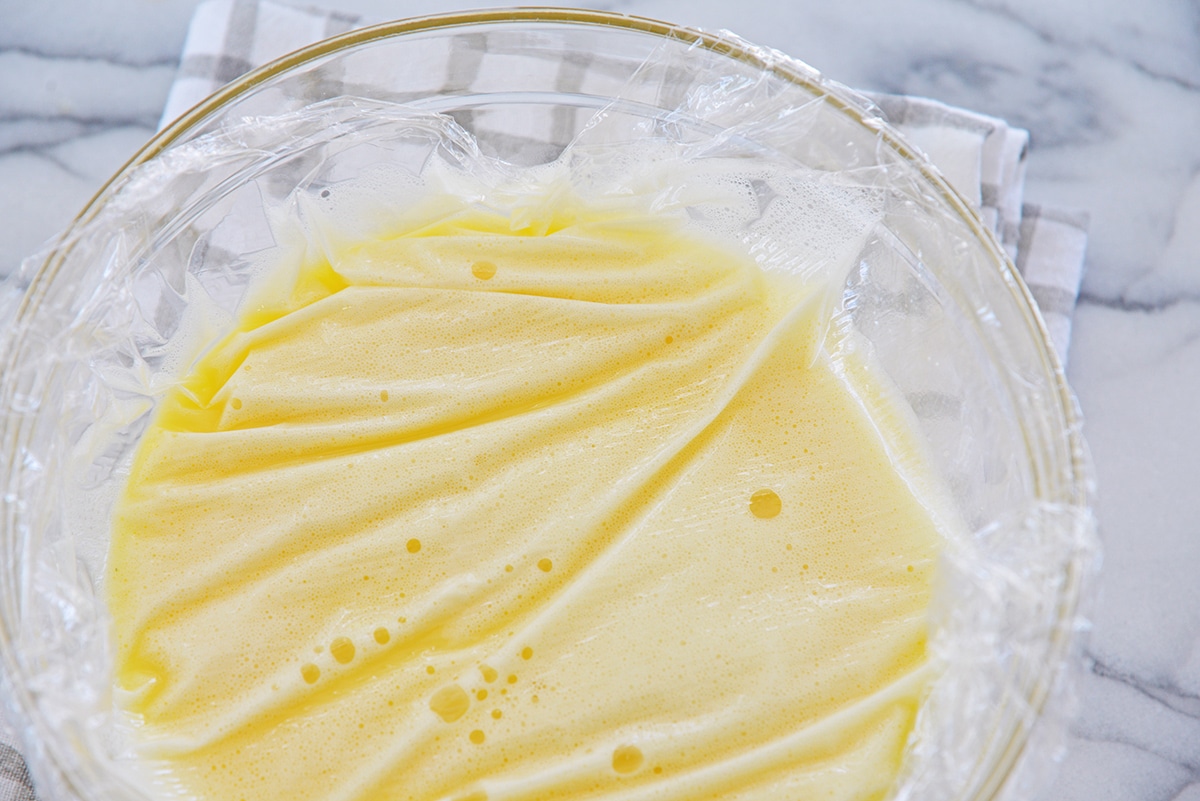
column 742, row 143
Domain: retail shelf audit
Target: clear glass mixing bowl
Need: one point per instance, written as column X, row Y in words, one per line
column 944, row 311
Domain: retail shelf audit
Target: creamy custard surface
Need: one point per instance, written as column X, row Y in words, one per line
column 482, row 513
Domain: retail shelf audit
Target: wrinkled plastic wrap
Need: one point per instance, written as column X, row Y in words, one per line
column 745, row 144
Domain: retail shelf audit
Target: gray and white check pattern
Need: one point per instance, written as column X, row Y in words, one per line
column 14, row 777
column 983, row 157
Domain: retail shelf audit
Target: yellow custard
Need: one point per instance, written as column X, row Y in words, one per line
column 483, row 513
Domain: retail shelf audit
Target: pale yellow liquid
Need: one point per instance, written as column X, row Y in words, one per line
column 480, row 513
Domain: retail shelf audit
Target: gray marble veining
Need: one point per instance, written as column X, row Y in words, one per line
column 1111, row 95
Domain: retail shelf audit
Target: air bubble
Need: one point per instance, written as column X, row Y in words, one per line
column 413, row 545
column 483, row 270
column 765, row 503
column 342, row 649
column 450, row 703
column 310, row 673
column 545, row 565
column 627, row 759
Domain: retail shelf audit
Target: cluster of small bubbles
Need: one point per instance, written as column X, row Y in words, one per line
column 810, row 222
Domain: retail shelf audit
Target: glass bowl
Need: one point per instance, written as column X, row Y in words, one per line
column 944, row 312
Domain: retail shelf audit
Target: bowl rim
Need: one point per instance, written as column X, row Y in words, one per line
column 1076, row 487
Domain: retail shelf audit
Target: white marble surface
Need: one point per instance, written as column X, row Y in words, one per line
column 1111, row 93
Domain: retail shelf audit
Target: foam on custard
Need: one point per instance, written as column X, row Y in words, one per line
column 478, row 510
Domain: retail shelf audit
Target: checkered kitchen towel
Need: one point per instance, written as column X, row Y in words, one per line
column 983, row 157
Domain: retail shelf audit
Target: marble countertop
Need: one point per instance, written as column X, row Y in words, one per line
column 1111, row 95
